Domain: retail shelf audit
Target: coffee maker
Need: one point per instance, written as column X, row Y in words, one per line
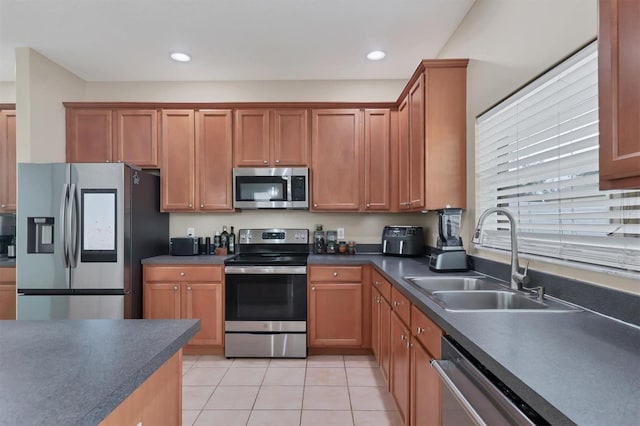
column 449, row 255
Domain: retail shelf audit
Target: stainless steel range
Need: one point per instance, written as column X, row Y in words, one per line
column 266, row 294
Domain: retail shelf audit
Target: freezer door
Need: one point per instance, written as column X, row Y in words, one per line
column 70, row 307
column 97, row 226
column 40, row 226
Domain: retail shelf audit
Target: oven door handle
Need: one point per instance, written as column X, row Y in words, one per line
column 265, row 270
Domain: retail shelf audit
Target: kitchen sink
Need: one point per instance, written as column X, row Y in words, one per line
column 482, row 294
column 432, row 284
column 480, row 300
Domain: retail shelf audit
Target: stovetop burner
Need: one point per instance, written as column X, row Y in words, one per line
column 270, row 247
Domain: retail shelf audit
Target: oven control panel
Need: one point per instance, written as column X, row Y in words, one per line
column 273, row 236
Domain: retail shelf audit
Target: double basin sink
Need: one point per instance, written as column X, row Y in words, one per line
column 479, row 293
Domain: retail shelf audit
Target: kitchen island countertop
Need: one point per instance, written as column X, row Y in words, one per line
column 77, row 372
column 571, row 367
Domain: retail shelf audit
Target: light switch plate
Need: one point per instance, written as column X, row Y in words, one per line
column 340, row 233
column 191, row 232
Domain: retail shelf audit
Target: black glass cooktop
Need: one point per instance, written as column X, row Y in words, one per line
column 263, row 259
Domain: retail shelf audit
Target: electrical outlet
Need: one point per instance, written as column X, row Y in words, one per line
column 191, row 232
column 340, row 233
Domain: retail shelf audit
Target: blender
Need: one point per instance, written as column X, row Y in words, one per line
column 449, row 255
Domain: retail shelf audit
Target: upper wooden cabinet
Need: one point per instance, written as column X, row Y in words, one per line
column 113, row 135
column 196, row 160
column 7, row 160
column 271, row 137
column 619, row 93
column 432, row 137
column 377, row 160
column 336, row 153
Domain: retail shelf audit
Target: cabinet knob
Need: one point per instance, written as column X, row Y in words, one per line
column 403, row 337
column 315, row 205
column 202, row 206
column 3, row 206
column 313, row 289
column 409, row 345
column 175, row 287
column 419, row 330
column 335, row 274
column 190, row 205
column 106, row 161
column 182, row 274
column 265, row 162
column 277, row 161
column 189, row 288
column 368, row 205
column 378, row 283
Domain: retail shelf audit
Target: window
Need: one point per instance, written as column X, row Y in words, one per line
column 537, row 155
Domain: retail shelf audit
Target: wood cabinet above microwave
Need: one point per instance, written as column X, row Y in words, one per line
column 271, row 137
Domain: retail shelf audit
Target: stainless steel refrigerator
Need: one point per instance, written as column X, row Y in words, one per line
column 82, row 229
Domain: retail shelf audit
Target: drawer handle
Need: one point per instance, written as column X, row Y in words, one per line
column 335, row 274
column 182, row 274
column 175, row 287
column 419, row 330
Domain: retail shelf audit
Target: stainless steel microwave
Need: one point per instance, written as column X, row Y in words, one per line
column 271, row 188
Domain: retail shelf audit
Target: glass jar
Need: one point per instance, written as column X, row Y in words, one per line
column 351, row 247
column 342, row 247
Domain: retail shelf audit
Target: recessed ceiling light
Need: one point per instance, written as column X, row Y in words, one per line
column 376, row 55
column 180, row 57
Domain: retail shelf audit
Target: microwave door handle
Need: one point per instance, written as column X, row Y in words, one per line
column 288, row 183
column 63, row 215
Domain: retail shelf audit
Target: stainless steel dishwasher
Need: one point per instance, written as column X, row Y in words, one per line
column 471, row 395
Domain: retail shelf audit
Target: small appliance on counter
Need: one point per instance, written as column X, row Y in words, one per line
column 184, row 246
column 449, row 255
column 402, row 240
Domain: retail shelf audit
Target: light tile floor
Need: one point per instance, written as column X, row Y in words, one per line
column 320, row 390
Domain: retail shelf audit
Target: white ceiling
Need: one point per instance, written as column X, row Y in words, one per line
column 130, row 40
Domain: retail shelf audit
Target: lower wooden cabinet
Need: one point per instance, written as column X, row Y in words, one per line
column 174, row 292
column 425, row 388
column 158, row 400
column 7, row 293
column 400, row 366
column 338, row 307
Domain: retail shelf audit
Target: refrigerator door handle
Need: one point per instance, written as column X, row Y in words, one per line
column 63, row 214
column 74, row 224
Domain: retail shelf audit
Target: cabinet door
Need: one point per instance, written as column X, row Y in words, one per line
column 385, row 338
column 375, row 324
column 425, row 388
column 214, row 160
column 400, row 366
column 161, row 301
column 7, row 301
column 89, row 135
column 177, row 180
column 335, row 314
column 377, row 154
column 251, row 138
column 416, row 144
column 404, row 177
column 7, row 161
column 336, row 141
column 204, row 302
column 619, row 93
column 290, row 138
column 136, row 137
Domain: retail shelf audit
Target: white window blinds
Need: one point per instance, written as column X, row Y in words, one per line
column 537, row 154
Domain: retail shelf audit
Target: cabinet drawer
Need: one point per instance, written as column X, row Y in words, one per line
column 8, row 275
column 183, row 273
column 383, row 286
column 426, row 331
column 335, row 274
column 401, row 306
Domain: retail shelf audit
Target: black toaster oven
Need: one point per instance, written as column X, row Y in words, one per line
column 183, row 246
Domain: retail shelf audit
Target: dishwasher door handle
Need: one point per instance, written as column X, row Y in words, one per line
column 457, row 393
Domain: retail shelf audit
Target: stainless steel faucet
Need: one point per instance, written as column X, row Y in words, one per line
column 518, row 280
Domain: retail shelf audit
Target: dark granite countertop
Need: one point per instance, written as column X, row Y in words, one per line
column 571, row 367
column 5, row 262
column 77, row 372
column 185, row 260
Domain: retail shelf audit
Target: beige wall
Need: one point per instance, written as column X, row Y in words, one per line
column 508, row 43
column 41, row 87
column 7, row 92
